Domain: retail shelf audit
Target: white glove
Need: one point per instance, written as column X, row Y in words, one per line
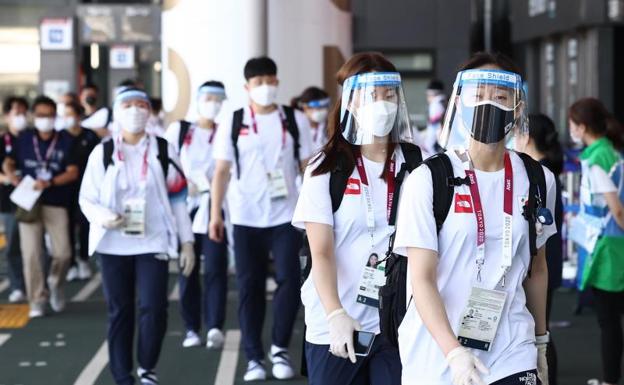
column 187, row 258
column 341, row 328
column 541, row 342
column 465, row 367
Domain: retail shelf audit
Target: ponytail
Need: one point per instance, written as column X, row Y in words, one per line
column 615, row 133
column 598, row 120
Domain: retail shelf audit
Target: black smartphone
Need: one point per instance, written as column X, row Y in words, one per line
column 363, row 342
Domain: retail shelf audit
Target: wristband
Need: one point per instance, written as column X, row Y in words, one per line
column 543, row 339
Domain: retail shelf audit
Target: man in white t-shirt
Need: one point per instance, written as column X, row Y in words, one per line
column 264, row 146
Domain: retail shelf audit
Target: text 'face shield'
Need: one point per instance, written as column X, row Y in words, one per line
column 487, row 106
column 373, row 109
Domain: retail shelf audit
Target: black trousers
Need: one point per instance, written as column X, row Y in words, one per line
column 609, row 307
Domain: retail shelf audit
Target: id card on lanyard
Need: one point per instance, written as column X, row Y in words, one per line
column 373, row 275
column 482, row 314
column 277, row 181
column 43, row 171
column 134, row 207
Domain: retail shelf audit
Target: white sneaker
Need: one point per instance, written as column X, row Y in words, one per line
column 84, row 270
column 282, row 367
column 17, row 296
column 57, row 299
column 255, row 371
column 147, row 377
column 214, row 339
column 72, row 274
column 191, row 339
column 36, row 310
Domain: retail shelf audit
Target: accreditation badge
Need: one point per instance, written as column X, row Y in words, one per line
column 277, row 184
column 480, row 318
column 134, row 215
column 43, row 173
column 373, row 277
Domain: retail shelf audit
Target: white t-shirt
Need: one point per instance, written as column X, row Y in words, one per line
column 248, row 196
column 155, row 239
column 319, row 137
column 196, row 156
column 352, row 242
column 513, row 349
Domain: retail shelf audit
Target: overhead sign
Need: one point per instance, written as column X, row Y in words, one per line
column 122, row 57
column 57, row 34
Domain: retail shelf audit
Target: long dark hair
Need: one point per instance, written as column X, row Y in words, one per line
column 546, row 138
column 598, row 120
column 337, row 147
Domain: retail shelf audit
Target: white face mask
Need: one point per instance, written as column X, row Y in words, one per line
column 133, row 119
column 44, row 124
column 60, row 109
column 18, row 122
column 576, row 139
column 69, row 122
column 263, row 95
column 318, row 115
column 209, row 109
column 377, row 118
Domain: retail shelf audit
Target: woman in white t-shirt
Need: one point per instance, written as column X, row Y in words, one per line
column 340, row 295
column 475, row 314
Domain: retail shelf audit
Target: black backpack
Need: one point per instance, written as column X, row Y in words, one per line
column 237, row 125
column 163, row 155
column 392, row 296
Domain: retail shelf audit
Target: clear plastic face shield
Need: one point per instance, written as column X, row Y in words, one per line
column 487, row 106
column 373, row 109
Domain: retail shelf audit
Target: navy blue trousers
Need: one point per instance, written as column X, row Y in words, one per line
column 251, row 249
column 213, row 298
column 126, row 278
column 381, row 367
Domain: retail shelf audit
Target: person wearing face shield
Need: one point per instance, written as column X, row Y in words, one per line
column 95, row 118
column 265, row 145
column 85, row 141
column 477, row 275
column 14, row 109
column 47, row 157
column 370, row 143
column 194, row 143
column 314, row 102
column 133, row 193
column 601, row 214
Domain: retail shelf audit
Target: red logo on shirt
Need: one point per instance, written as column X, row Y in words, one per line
column 353, row 187
column 463, row 203
column 243, row 131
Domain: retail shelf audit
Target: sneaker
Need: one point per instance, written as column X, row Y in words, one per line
column 57, row 299
column 84, row 270
column 17, row 296
column 282, row 367
column 214, row 339
column 72, row 274
column 255, row 371
column 36, row 310
column 191, row 339
column 147, row 377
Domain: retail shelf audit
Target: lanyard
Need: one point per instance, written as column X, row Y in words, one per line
column 8, row 143
column 254, row 124
column 507, row 218
column 370, row 213
column 144, row 166
column 40, row 160
column 188, row 139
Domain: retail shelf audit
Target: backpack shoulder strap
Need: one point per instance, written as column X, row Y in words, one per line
column 185, row 125
column 537, row 197
column 444, row 183
column 293, row 129
column 107, row 158
column 109, row 117
column 237, row 124
column 338, row 181
column 412, row 155
column 163, row 154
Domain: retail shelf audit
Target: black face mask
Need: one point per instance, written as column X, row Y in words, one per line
column 91, row 100
column 489, row 123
